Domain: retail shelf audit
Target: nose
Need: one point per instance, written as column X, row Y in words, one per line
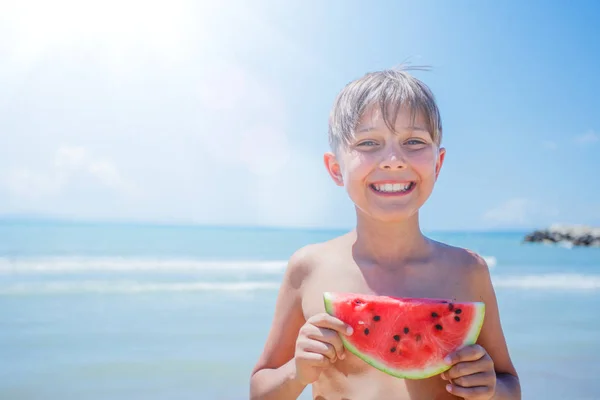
column 393, row 159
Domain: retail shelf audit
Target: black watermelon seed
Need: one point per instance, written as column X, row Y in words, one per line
column 357, row 301
column 377, row 318
column 450, row 306
column 458, row 311
column 405, row 329
column 438, row 327
column 366, row 331
column 397, row 338
column 393, row 349
column 457, row 318
column 434, row 315
column 418, row 338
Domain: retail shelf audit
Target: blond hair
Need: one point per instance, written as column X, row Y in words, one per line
column 390, row 90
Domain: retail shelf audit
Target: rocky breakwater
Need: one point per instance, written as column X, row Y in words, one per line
column 570, row 235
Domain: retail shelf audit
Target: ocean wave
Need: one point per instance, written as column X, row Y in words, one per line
column 549, row 282
column 527, row 282
column 126, row 287
column 133, row 264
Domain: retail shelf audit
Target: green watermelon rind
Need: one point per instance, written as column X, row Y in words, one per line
column 470, row 339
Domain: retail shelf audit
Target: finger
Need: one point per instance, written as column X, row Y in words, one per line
column 324, row 320
column 467, row 368
column 478, row 392
column 315, row 346
column 474, row 380
column 328, row 336
column 316, row 359
column 468, row 353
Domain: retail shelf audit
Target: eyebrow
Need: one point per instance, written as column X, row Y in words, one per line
column 408, row 128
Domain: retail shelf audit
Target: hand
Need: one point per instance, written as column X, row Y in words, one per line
column 472, row 374
column 319, row 346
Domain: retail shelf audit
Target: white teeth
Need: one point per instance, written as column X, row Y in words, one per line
column 391, row 188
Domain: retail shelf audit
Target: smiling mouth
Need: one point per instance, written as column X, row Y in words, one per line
column 392, row 188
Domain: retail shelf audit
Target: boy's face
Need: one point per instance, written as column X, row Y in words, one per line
column 388, row 175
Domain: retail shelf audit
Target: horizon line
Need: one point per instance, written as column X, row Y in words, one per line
column 15, row 218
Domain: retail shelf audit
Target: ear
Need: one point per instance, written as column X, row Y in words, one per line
column 333, row 167
column 440, row 161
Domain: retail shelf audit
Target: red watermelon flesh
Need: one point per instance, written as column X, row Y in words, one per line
column 406, row 337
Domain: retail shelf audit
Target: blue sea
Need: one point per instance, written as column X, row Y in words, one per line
column 123, row 311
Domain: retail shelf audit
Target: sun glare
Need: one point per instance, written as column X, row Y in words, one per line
column 110, row 29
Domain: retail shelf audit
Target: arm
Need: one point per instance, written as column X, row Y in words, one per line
column 274, row 376
column 276, row 383
column 492, row 337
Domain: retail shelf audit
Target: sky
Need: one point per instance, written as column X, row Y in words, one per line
column 216, row 112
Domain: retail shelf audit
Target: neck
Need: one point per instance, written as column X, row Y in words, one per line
column 389, row 243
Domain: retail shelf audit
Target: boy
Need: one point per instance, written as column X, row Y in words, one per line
column 385, row 135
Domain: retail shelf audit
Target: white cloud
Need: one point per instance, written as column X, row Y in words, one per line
column 519, row 211
column 514, row 211
column 24, row 183
column 107, row 173
column 583, row 139
column 587, row 138
column 70, row 157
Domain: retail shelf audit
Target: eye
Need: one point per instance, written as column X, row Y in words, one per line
column 415, row 141
column 368, row 143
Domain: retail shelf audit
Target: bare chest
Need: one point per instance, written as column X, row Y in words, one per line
column 350, row 378
column 421, row 281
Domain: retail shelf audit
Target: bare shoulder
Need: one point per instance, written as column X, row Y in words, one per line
column 301, row 264
column 307, row 259
column 464, row 260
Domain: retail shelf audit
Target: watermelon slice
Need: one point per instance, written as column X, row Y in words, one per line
column 405, row 337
